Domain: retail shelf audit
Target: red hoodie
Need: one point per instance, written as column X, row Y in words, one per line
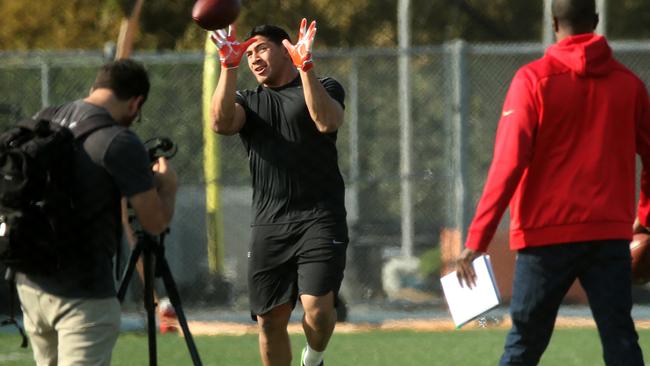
column 564, row 156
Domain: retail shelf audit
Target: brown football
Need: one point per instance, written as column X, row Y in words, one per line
column 215, row 14
column 640, row 250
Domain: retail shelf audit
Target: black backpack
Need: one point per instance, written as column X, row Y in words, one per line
column 39, row 223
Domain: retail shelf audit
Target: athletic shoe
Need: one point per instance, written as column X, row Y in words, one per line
column 302, row 357
column 167, row 317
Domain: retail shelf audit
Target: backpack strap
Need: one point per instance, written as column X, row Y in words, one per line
column 91, row 124
column 82, row 128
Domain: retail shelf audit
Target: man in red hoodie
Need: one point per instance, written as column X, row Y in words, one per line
column 564, row 159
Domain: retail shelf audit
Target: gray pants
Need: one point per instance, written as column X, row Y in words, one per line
column 64, row 331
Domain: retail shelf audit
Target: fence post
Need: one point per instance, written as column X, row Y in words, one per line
column 547, row 34
column 459, row 132
column 353, row 110
column 45, row 84
column 601, row 8
column 212, row 165
column 406, row 138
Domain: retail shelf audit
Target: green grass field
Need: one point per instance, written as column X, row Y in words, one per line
column 579, row 347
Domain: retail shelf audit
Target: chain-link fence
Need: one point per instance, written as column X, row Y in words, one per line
column 456, row 93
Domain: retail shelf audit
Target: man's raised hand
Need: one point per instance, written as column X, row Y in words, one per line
column 230, row 50
column 301, row 52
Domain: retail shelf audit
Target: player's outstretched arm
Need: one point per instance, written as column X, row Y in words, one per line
column 227, row 116
column 326, row 112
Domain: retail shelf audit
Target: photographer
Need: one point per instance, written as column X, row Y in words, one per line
column 73, row 316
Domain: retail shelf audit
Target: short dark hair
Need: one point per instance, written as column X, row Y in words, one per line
column 575, row 13
column 126, row 78
column 274, row 33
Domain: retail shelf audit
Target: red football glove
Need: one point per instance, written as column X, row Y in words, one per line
column 301, row 52
column 230, row 50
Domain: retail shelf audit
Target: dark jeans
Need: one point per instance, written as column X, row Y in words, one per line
column 543, row 275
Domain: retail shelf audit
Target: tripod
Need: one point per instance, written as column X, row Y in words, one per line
column 155, row 265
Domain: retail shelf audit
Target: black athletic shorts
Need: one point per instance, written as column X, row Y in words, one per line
column 287, row 260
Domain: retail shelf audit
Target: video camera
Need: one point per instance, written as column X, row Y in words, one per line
column 158, row 147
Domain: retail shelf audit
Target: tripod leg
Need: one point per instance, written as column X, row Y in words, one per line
column 175, row 299
column 149, row 304
column 128, row 272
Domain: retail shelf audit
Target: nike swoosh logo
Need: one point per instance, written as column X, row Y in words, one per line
column 507, row 113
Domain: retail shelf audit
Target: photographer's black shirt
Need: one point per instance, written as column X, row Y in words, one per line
column 294, row 167
column 112, row 163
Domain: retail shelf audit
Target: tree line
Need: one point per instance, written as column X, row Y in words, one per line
column 167, row 24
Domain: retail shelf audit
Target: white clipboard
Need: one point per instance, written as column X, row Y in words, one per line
column 466, row 304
